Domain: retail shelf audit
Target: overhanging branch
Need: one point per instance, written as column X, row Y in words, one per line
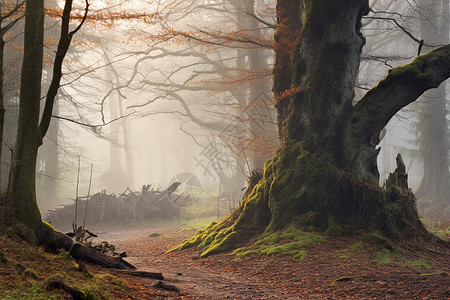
column 401, row 86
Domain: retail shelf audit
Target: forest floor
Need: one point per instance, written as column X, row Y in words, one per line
column 340, row 268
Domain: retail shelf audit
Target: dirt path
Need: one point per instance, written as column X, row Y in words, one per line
column 279, row 277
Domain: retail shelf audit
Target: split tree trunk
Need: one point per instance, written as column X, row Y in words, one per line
column 324, row 175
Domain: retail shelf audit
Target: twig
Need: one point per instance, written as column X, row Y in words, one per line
column 87, row 198
column 74, row 224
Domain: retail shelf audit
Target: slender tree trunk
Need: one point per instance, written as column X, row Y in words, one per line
column 2, row 107
column 48, row 162
column 23, row 167
column 30, row 131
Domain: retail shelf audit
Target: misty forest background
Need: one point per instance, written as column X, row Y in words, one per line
column 158, row 91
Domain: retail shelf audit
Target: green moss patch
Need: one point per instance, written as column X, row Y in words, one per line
column 438, row 272
column 303, row 187
column 377, row 239
column 353, row 251
column 386, row 256
column 292, row 241
column 421, row 264
column 250, row 218
column 341, row 279
column 28, row 272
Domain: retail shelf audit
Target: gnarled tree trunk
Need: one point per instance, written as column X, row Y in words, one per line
column 325, row 175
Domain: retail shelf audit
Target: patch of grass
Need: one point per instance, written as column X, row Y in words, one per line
column 31, row 273
column 357, row 247
column 352, row 251
column 30, row 290
column 434, row 251
column 196, row 224
column 343, row 278
column 25, row 270
column 438, row 272
column 439, row 228
column 291, row 241
column 420, row 264
column 385, row 257
column 377, row 239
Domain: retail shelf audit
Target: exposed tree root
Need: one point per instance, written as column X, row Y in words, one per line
column 304, row 188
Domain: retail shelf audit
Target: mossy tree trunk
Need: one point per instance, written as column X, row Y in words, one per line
column 325, row 175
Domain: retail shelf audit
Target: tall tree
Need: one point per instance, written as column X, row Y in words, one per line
column 22, row 174
column 325, row 173
column 32, row 128
column 9, row 16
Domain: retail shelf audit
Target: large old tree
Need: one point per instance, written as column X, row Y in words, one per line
column 325, row 175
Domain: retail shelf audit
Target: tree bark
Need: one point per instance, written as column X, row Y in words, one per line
column 23, row 166
column 324, row 175
column 286, row 36
column 2, row 107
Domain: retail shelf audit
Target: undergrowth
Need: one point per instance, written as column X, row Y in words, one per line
column 28, row 272
column 438, row 227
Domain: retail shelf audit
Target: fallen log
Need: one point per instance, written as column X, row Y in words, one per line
column 57, row 240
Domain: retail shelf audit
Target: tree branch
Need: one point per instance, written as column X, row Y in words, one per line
column 401, row 86
column 63, row 47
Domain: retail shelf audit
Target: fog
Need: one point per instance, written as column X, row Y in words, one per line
column 148, row 97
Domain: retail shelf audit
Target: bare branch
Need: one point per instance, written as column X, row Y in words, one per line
column 94, row 126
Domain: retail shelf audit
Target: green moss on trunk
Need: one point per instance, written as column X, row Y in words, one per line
column 306, row 189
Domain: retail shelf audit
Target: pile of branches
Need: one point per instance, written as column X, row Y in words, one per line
column 128, row 207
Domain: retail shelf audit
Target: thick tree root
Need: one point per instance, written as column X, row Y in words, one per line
column 305, row 189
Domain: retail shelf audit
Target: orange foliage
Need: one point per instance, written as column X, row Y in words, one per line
column 106, row 18
column 291, row 92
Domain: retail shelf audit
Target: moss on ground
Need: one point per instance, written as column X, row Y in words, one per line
column 420, row 264
column 33, row 281
column 354, row 251
column 440, row 227
column 341, row 279
column 385, row 256
column 438, row 272
column 291, row 241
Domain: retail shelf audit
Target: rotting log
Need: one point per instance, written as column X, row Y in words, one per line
column 59, row 240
